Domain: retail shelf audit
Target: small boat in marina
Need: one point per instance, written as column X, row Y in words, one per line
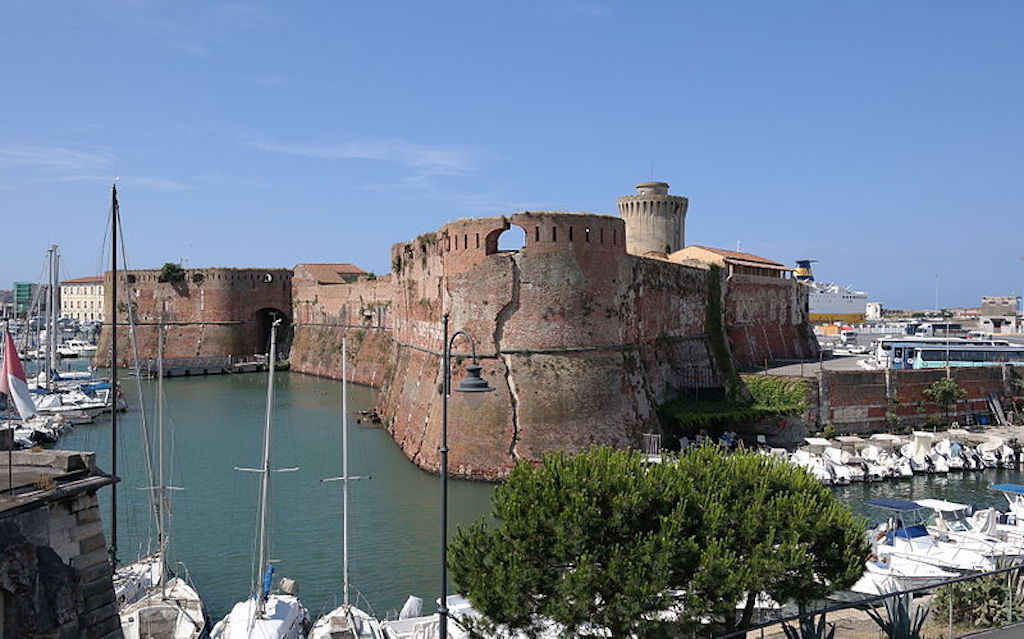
column 888, row 455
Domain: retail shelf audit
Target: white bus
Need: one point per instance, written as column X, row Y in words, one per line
column 899, row 352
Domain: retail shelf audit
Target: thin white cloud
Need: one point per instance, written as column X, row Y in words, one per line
column 56, row 159
column 428, row 161
column 49, row 164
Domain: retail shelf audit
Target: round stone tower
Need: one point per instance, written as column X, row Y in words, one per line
column 655, row 220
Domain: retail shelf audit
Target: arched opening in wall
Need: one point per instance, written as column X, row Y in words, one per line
column 259, row 332
column 507, row 240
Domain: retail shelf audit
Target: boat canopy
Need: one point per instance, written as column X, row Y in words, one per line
column 900, row 505
column 912, row 532
column 817, row 441
column 1016, row 489
column 942, row 505
column 850, row 439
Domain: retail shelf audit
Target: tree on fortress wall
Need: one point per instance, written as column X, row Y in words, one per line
column 171, row 272
column 600, row 542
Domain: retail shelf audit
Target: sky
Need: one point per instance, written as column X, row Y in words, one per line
column 884, row 139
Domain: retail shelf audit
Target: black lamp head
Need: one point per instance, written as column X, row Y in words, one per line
column 473, row 382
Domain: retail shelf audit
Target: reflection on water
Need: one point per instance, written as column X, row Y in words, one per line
column 217, row 424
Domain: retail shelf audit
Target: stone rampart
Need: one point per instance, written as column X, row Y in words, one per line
column 209, row 312
column 56, row 580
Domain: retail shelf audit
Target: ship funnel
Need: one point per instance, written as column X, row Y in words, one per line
column 803, row 272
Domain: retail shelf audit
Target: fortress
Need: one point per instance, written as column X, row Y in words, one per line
column 583, row 329
column 581, row 337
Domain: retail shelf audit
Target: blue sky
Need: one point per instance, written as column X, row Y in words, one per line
column 884, row 139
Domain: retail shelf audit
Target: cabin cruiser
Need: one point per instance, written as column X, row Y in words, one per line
column 953, row 523
column 905, row 536
column 76, row 348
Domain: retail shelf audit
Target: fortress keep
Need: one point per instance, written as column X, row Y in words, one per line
column 655, row 220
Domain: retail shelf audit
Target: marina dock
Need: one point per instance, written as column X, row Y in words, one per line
column 196, row 366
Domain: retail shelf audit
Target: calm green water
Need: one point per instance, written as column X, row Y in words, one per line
column 969, row 487
column 394, row 526
column 217, row 423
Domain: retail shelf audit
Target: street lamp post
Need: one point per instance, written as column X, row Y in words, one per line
column 472, row 383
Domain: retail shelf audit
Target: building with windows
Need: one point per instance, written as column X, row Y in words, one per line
column 82, row 298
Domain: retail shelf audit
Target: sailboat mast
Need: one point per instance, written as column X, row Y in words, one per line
column 161, row 498
column 344, row 465
column 265, row 484
column 114, row 212
column 51, row 320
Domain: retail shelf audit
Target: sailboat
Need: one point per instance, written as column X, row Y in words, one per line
column 346, row 621
column 170, row 609
column 132, row 580
column 266, row 614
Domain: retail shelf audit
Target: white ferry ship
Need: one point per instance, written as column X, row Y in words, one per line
column 831, row 302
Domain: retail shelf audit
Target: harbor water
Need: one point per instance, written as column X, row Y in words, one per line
column 216, row 426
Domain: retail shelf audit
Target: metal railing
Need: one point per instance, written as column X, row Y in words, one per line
column 974, row 605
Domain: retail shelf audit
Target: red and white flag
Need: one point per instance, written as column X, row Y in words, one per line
column 13, row 381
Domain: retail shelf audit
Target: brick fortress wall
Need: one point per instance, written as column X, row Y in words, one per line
column 213, row 312
column 767, row 320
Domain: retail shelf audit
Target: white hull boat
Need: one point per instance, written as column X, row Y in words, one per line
column 282, row 617
column 898, row 574
column 346, row 622
column 173, row 612
column 133, row 580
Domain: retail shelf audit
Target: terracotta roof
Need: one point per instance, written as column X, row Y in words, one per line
column 754, row 260
column 88, row 279
column 332, row 273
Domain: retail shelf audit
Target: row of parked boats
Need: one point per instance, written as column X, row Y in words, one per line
column 845, row 460
column 928, row 541
column 60, row 404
